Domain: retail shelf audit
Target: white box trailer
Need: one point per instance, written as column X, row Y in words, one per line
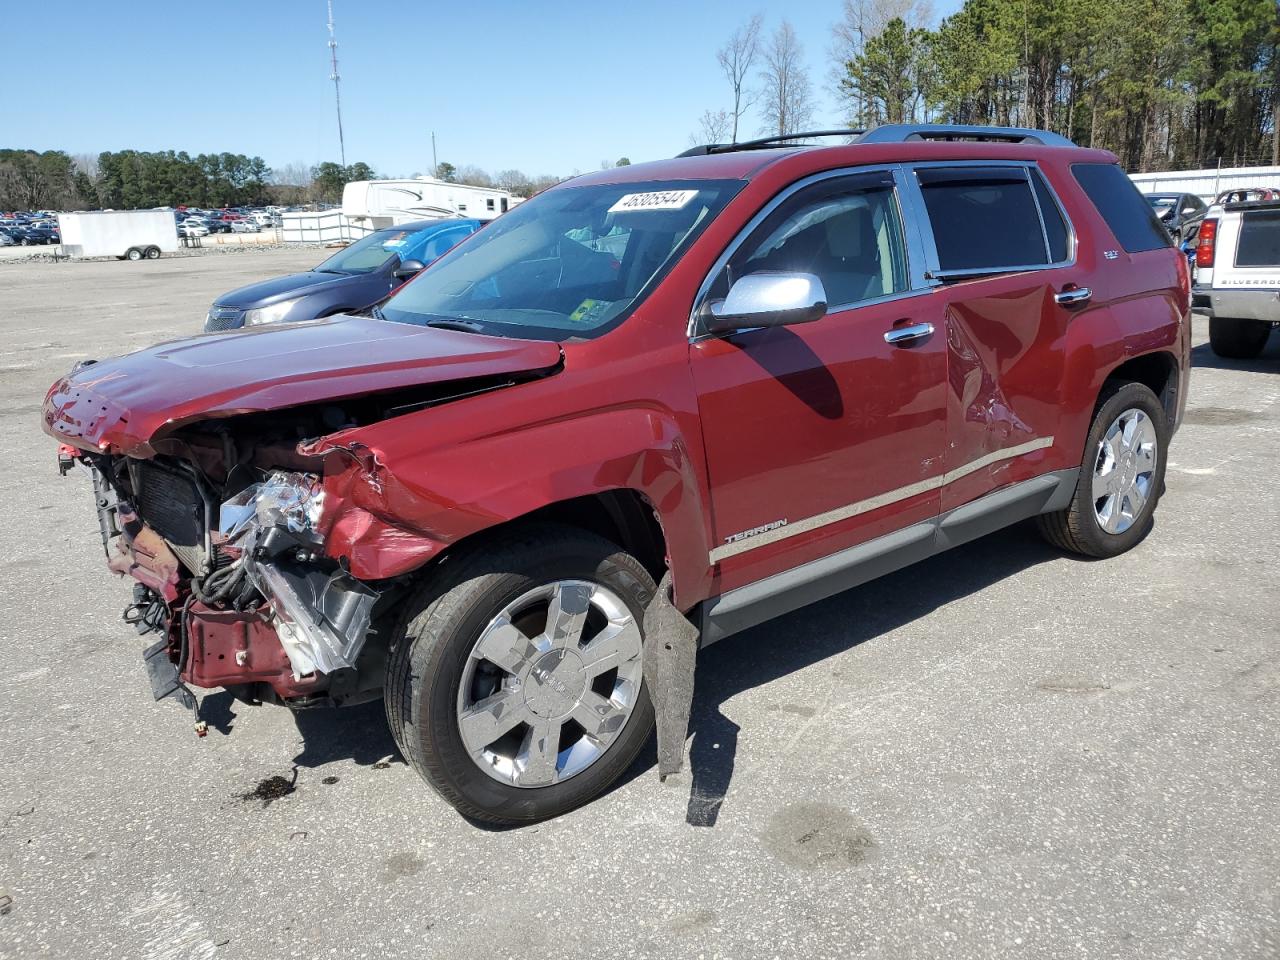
column 124, row 234
column 386, row 203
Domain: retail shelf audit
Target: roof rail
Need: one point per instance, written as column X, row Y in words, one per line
column 902, row 132
column 765, row 142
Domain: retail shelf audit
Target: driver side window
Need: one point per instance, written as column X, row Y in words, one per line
column 846, row 231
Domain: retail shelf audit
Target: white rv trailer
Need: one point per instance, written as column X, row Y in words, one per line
column 385, row 203
column 125, row 234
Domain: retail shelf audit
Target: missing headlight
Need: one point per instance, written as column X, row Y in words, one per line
column 321, row 612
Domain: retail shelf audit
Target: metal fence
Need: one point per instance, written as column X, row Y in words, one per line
column 327, row 227
column 1207, row 184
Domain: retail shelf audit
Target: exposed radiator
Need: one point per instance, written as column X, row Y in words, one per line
column 170, row 504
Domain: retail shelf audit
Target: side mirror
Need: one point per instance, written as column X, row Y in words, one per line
column 407, row 269
column 768, row 300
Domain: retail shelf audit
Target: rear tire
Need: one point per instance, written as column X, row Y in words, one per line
column 133, row 254
column 1238, row 339
column 1120, row 483
column 444, row 666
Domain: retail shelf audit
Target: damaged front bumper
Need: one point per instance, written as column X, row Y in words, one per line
column 250, row 602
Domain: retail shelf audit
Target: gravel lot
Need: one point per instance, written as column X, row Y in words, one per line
column 1002, row 752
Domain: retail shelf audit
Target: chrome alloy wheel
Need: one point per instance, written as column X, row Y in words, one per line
column 1124, row 470
column 550, row 684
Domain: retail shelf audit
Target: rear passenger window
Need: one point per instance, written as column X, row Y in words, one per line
column 984, row 219
column 1126, row 211
column 1055, row 228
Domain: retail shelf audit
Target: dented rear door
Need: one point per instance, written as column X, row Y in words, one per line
column 1002, row 248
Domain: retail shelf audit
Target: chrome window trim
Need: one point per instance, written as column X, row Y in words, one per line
column 848, row 511
column 935, row 270
column 911, row 238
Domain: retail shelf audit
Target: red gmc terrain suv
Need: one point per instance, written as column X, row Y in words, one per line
column 645, row 410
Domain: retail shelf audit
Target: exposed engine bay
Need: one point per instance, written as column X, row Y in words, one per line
column 224, row 530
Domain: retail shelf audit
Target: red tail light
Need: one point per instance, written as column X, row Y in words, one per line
column 1184, row 277
column 1205, row 242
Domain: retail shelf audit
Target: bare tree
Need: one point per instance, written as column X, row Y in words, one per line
column 714, row 126
column 513, row 181
column 864, row 20
column 736, row 60
column 788, row 95
column 86, row 163
column 296, row 174
column 469, row 173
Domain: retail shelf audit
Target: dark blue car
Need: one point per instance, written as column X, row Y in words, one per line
column 355, row 277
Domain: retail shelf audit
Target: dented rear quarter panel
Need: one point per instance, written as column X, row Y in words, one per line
column 1141, row 305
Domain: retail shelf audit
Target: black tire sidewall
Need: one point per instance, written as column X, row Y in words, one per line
column 440, row 641
column 1126, row 397
column 1238, row 339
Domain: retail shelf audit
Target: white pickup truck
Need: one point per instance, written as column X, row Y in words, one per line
column 1238, row 275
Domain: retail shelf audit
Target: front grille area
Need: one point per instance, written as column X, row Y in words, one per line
column 223, row 318
column 171, row 505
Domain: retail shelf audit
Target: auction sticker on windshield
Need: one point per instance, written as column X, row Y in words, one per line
column 657, row 200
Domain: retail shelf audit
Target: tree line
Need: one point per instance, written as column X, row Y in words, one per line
column 1161, row 83
column 130, row 179
column 133, row 179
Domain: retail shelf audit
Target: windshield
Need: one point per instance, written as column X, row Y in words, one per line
column 367, row 254
column 1162, row 205
column 571, row 262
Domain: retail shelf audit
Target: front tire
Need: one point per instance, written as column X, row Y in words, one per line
column 153, row 253
column 515, row 685
column 1121, row 478
column 1238, row 339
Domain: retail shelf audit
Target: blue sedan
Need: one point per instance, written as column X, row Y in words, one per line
column 352, row 279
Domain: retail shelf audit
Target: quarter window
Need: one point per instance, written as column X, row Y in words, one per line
column 846, row 231
column 1136, row 226
column 1055, row 228
column 986, row 219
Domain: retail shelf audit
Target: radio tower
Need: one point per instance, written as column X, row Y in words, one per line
column 337, row 94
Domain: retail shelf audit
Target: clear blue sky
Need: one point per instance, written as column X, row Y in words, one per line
column 547, row 87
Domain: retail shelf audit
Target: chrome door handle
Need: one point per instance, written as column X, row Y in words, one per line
column 904, row 336
column 1072, row 296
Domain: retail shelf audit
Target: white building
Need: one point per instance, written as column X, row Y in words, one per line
column 384, row 203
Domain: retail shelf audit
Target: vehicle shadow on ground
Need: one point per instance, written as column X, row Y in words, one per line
column 813, row 634
column 1203, row 357
column 358, row 733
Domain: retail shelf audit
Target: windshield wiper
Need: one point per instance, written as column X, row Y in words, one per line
column 377, row 313
column 455, row 323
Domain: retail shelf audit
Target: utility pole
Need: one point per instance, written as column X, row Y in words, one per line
column 435, row 164
column 337, row 95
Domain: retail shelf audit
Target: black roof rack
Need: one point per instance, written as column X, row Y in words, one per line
column 763, row 143
column 899, row 133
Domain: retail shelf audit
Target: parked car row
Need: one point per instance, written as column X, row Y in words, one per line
column 1182, row 213
column 200, row 223
column 30, row 235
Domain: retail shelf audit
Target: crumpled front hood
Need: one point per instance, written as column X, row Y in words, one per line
column 126, row 403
